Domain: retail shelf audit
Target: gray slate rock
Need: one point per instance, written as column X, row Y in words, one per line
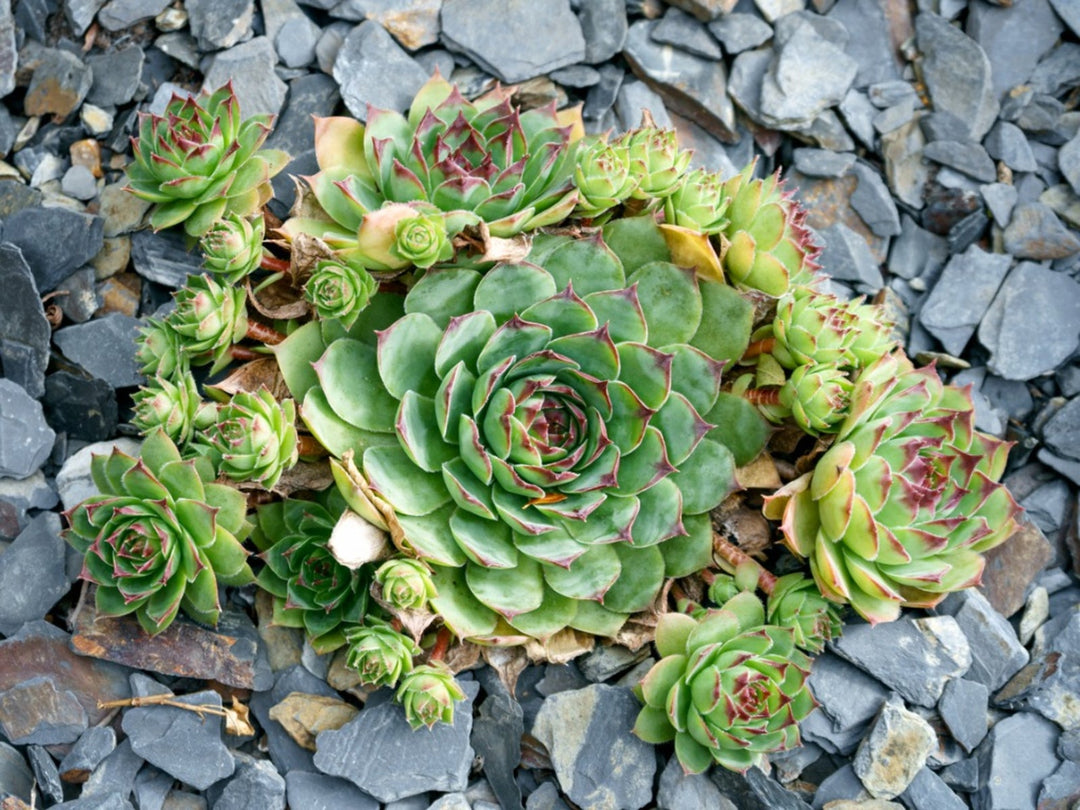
column 16, row 778
column 690, row 85
column 1022, row 738
column 598, row 762
column 576, row 76
column 873, row 202
column 104, row 347
column 683, row 791
column 163, row 257
column 45, row 772
column 9, row 55
column 96, row 743
column 957, row 73
column 369, row 750
column 152, row 787
column 1014, row 38
column 116, row 76
column 894, row 751
column 1006, row 142
column 739, row 31
column 1032, row 325
column 1035, row 232
column 312, row 94
column 511, row 49
column 80, row 13
column 59, row 84
column 33, row 574
column 1062, row 788
column 848, row 258
column 823, row 162
column 870, row 42
column 114, row 777
column 963, row 293
column 250, row 67
column 633, row 99
column 915, row 657
column 117, row 15
column 969, row 158
column 917, row 253
column 54, row 242
column 180, row 742
column 928, row 791
column 841, row 785
column 74, row 481
column 220, row 24
column 755, row 790
column 372, row 68
column 1069, row 162
column 496, row 738
column 849, row 697
column 1001, row 199
column 256, row 785
column 678, row 28
column 79, row 183
column 996, row 652
column 317, row 791
column 1069, row 13
column 26, row 439
column 1061, row 433
column 1054, row 689
column 37, row 712
column 296, row 42
column 603, row 26
column 545, row 797
column 963, row 708
column 284, row 751
column 81, row 406
column 108, row 801
column 886, row 94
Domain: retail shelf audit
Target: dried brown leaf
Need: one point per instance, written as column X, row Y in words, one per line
column 490, row 248
column 413, row 621
column 508, row 663
column 761, row 473
column 311, row 476
column 253, row 375
column 561, row 648
column 462, row 656
column 279, row 301
column 238, row 720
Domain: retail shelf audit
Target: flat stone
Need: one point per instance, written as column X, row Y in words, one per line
column 250, row 67
column 79, row 183
column 755, row 790
column 59, row 84
column 870, row 42
column 894, row 751
column 113, row 779
column 413, row 23
column 962, row 295
column 1053, row 689
column 36, row 712
column 152, row 788
column 928, row 791
column 740, row 32
column 889, row 93
column 117, row 15
column 996, row 653
column 80, row 13
column 163, row 258
column 317, row 791
column 304, row 716
column 1012, row 566
column 496, row 738
column 1032, row 324
column 1014, row 38
column 116, row 76
column 33, row 574
column 104, row 347
column 1061, row 790
column 231, row 654
column 296, row 42
column 576, row 76
column 1000, row 198
column 180, row 742
column 603, row 26
column 511, row 50
column 1061, row 433
column 54, row 242
column 82, row 407
column 220, row 23
column 1036, row 233
column 859, row 114
column 74, row 481
column 1006, row 142
column 849, row 697
column 1068, row 13
column 17, row 496
column 916, row 253
column 9, row 54
column 683, row 31
column 373, row 69
column 27, row 439
column 848, row 258
column 254, row 784
column 1022, row 738
column 682, row 791
column 823, row 162
column 635, row 98
column 545, row 797
column 873, row 202
column 597, row 761
column 314, row 94
column 16, row 778
column 957, row 72
column 841, row 785
column 915, row 657
column 1069, row 162
column 690, row 85
column 96, row 743
column 969, row 158
column 369, row 751
column 963, row 708
column 48, row 778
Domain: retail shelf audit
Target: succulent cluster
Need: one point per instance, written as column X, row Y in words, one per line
column 540, row 363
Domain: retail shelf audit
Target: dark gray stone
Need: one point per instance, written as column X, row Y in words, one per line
column 114, row 777
column 747, row 74
column 576, row 76
column 9, row 56
column 823, row 162
column 1014, row 38
column 596, row 759
column 7, row 136
column 1006, row 142
column 942, row 125
column 962, row 775
column 16, row 778
column 604, row 26
column 957, row 73
column 106, row 801
column 1057, row 70
column 80, row 406
column 848, row 258
column 180, row 742
column 633, row 99
column 819, row 730
column 152, row 787
column 1022, row 738
column 689, row 85
column 996, row 652
column 512, row 50
column 369, row 750
column 739, row 32
column 1000, row 198
column 963, row 708
column 32, row 16
column 250, row 68
column 1069, row 162
column 1053, row 690
column 54, row 242
column 928, row 791
column 104, row 347
column 962, row 295
column 37, row 712
column 1069, row 745
column 870, row 42
column 546, row 797
column 560, row 678
column 496, row 738
column 80, row 13
column 915, row 657
column 873, row 202
column 255, row 784
column 1061, row 433
column 1031, row 327
column 372, row 68
column 96, row 743
column 117, row 15
column 32, row 572
column 678, row 28
column 164, row 258
column 755, row 790
column 45, row 772
column 58, row 86
column 916, row 253
column 606, row 661
column 220, row 24
column 317, row 791
column 26, row 439
column 314, row 94
column 296, row 42
column 682, row 791
column 116, row 76
column 841, row 784
column 969, row 158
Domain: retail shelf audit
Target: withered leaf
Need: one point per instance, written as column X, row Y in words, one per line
column 280, row 300
column 253, row 375
column 508, row 663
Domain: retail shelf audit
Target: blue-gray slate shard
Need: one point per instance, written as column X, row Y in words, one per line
column 372, row 68
column 105, row 348
column 996, row 652
column 256, row 784
column 37, row 712
column 96, row 743
column 48, row 777
column 114, row 775
column 1024, row 738
column 317, row 791
column 286, row 754
column 180, row 742
column 963, row 293
column 54, row 241
column 963, row 709
column 24, row 331
column 370, row 749
column 33, row 575
column 755, row 790
column 16, row 779
column 25, row 438
column 598, row 761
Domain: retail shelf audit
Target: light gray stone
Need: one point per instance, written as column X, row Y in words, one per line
column 250, row 67
column 26, row 440
column 739, row 31
column 372, row 68
column 873, row 202
column 962, row 295
column 104, row 347
column 1022, row 738
column 957, row 73
column 220, row 23
column 894, row 751
column 848, row 258
column 963, row 708
column 1014, row 38
column 33, row 573
column 996, row 653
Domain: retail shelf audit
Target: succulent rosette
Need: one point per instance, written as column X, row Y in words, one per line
column 339, row 291
column 542, row 431
column 698, row 203
column 311, row 589
column 727, row 689
column 657, row 164
column 813, row 328
column 159, row 350
column 160, row 537
column 602, row 177
column 177, row 408
column 406, row 583
column 797, row 603
column 379, row 652
column 209, row 318
column 483, row 160
column 200, row 161
column 899, row 509
column 232, row 247
column 253, row 438
column 817, row 397
column 427, row 693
